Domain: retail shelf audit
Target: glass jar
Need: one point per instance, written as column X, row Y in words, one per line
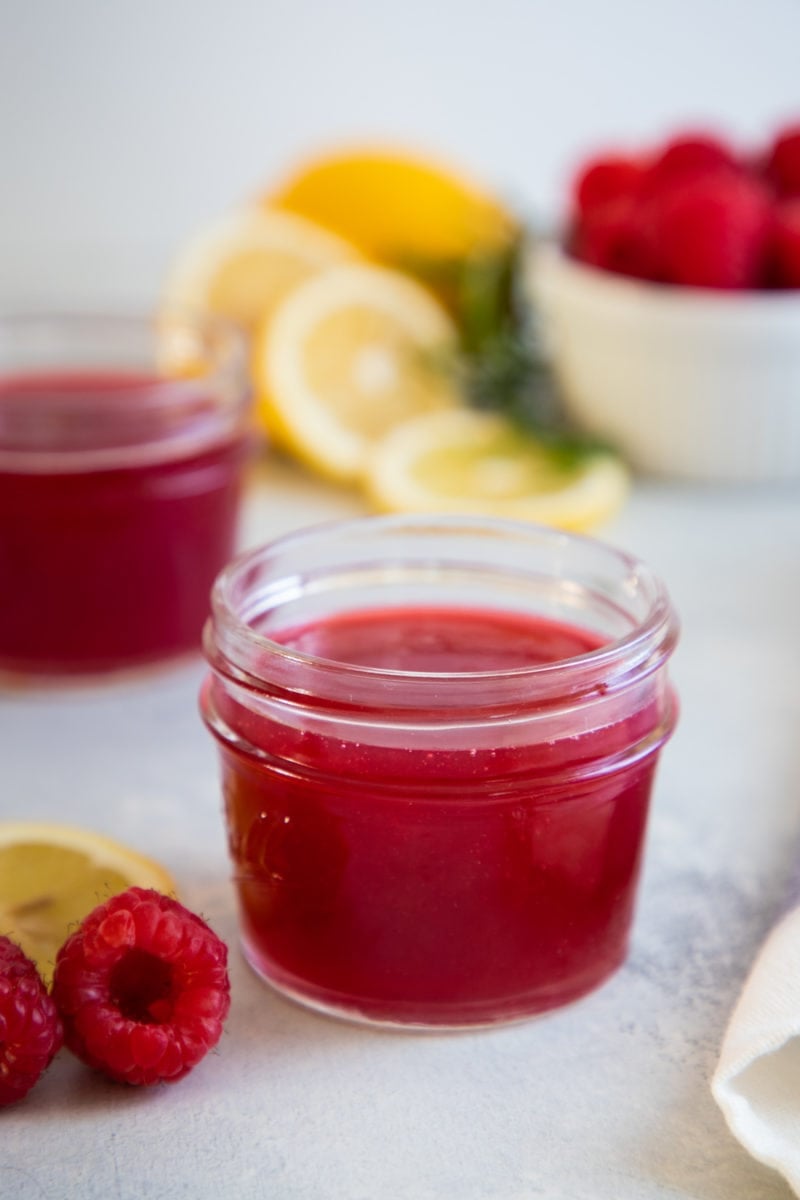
column 438, row 738
column 122, row 443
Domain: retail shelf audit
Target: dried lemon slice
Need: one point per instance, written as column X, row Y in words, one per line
column 478, row 463
column 52, row 876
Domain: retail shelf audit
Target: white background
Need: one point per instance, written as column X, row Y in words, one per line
column 125, row 125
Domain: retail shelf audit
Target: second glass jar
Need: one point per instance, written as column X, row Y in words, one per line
column 122, row 443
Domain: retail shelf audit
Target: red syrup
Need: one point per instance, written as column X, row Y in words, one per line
column 412, row 877
column 118, row 506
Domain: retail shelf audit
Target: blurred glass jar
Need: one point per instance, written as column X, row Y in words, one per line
column 122, row 444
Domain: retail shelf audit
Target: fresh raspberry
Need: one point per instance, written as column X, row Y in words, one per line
column 615, row 237
column 686, row 157
column 713, row 232
column 605, row 180
column 142, row 988
column 782, row 165
column 784, row 260
column 30, row 1030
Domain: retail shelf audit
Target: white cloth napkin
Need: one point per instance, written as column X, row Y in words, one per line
column 757, row 1079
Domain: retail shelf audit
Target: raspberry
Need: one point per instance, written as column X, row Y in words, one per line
column 30, row 1030
column 615, row 237
column 142, row 988
column 782, row 166
column 606, row 180
column 713, row 232
column 785, row 245
column 688, row 156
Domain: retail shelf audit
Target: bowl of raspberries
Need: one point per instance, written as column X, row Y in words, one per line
column 671, row 305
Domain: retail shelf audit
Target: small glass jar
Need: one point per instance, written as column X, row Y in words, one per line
column 438, row 738
column 122, row 443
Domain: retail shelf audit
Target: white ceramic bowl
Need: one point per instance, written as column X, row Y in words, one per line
column 686, row 383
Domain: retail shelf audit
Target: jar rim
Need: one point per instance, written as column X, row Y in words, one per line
column 232, row 645
column 83, row 390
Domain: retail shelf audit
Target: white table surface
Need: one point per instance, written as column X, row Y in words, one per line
column 607, row 1100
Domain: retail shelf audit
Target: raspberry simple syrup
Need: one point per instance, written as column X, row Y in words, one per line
column 436, row 808
column 119, row 491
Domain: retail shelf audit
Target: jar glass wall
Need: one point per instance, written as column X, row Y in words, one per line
column 438, row 739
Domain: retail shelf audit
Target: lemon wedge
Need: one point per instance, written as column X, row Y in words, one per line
column 472, row 462
column 346, row 356
column 242, row 266
column 52, row 876
column 395, row 205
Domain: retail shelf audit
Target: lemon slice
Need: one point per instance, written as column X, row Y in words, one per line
column 243, row 265
column 349, row 354
column 52, row 876
column 478, row 463
column 397, row 206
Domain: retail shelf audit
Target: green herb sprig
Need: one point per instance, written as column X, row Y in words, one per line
column 500, row 364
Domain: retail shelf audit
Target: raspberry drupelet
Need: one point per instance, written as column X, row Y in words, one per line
column 142, row 988
column 30, row 1030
